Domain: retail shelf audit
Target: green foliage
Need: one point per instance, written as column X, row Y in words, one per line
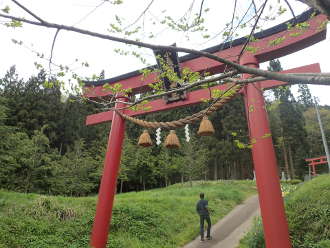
column 251, row 49
column 6, row 9
column 14, row 23
column 293, row 181
column 308, row 214
column 305, row 97
column 276, row 41
column 145, row 219
column 313, row 131
column 255, row 237
column 288, row 127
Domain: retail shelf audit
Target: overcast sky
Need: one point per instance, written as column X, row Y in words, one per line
column 99, row 54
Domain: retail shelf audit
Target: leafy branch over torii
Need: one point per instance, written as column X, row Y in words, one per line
column 235, row 68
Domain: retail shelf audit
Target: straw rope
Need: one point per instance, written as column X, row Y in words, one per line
column 188, row 119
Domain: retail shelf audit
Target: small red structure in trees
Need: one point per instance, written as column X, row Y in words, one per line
column 316, row 161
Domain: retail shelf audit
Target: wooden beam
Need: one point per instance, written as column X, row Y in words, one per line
column 270, row 84
column 193, row 97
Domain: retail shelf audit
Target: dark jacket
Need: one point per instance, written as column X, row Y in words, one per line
column 202, row 207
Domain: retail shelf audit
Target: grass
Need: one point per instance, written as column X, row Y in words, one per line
column 155, row 218
column 308, row 214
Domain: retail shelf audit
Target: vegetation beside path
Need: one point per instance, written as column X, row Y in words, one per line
column 308, row 213
column 154, row 218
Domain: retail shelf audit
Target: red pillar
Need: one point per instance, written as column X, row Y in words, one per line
column 270, row 196
column 108, row 185
column 313, row 170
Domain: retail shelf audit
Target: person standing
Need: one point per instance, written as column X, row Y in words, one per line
column 204, row 215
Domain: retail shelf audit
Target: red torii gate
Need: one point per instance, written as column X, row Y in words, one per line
column 316, row 161
column 273, row 43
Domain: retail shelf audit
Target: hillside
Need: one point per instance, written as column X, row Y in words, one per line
column 308, row 213
column 155, row 218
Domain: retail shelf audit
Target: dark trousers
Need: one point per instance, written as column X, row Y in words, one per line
column 208, row 220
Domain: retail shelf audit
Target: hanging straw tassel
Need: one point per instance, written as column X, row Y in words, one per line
column 144, row 139
column 172, row 141
column 206, row 127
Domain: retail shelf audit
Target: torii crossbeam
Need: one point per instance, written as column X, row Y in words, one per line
column 273, row 43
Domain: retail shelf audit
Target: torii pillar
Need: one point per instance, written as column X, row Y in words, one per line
column 275, row 225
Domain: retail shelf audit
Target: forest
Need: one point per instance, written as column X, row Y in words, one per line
column 46, row 148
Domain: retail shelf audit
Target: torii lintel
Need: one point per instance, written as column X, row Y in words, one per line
column 194, row 97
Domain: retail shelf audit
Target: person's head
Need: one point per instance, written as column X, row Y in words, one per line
column 201, row 195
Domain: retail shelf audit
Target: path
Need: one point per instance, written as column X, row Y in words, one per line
column 230, row 229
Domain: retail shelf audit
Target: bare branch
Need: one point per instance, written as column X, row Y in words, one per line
column 89, row 13
column 227, row 78
column 137, row 19
column 307, row 75
column 255, row 8
column 200, row 10
column 244, row 69
column 28, row 11
column 188, row 86
column 252, row 30
column 51, row 51
column 292, row 12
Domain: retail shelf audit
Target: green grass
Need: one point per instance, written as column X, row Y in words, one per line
column 308, row 213
column 155, row 218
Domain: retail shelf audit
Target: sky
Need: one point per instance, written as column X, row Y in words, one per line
column 73, row 49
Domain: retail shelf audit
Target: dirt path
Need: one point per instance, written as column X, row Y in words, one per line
column 229, row 230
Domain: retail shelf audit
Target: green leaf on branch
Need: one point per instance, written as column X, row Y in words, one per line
column 323, row 25
column 277, row 41
column 48, row 84
column 295, row 34
column 266, row 135
column 216, row 93
column 117, row 2
column 14, row 24
column 17, row 42
column 251, row 49
column 302, row 25
column 6, row 9
column 281, row 10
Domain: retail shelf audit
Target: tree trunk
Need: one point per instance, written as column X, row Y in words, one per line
column 234, row 170
column 286, row 162
column 121, row 186
column 182, row 179
column 215, row 170
column 190, row 181
column 291, row 163
column 144, row 184
column 220, row 175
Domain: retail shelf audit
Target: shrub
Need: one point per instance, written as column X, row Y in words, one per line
column 308, row 213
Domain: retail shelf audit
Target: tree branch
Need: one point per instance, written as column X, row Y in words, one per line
column 292, row 12
column 51, row 51
column 225, row 77
column 244, row 69
column 28, row 11
column 137, row 19
column 200, row 10
column 188, row 86
column 252, row 30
